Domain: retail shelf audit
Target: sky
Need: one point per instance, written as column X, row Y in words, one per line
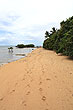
column 25, row 21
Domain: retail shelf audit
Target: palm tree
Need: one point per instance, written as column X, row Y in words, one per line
column 47, row 34
column 53, row 30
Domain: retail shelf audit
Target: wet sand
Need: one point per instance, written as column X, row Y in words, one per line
column 41, row 81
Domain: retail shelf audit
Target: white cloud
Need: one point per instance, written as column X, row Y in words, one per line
column 27, row 20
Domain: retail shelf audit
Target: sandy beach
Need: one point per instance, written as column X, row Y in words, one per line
column 41, row 81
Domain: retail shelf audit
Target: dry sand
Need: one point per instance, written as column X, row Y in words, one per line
column 41, row 81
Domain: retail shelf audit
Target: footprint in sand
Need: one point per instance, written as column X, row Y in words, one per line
column 40, row 89
column 28, row 93
column 23, row 79
column 43, row 98
column 48, row 79
column 27, row 72
column 28, row 85
column 16, row 84
column 70, row 73
column 31, row 80
column 1, row 99
column 30, row 71
column 55, row 76
column 24, row 103
column 40, row 83
column 12, row 91
column 43, row 71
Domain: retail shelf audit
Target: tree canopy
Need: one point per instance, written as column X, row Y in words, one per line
column 25, row 46
column 61, row 40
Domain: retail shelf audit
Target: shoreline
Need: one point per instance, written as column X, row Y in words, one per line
column 42, row 80
column 11, row 61
column 24, row 55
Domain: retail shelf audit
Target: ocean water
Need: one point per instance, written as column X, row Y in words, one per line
column 6, row 56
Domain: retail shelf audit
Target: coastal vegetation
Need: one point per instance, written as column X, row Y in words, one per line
column 60, row 40
column 25, row 46
column 10, row 49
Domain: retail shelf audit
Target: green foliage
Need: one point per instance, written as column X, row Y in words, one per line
column 47, row 34
column 10, row 48
column 61, row 40
column 20, row 46
column 25, row 46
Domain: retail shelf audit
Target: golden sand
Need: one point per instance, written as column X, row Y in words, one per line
column 41, row 81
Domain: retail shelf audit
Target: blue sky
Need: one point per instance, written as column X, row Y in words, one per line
column 25, row 21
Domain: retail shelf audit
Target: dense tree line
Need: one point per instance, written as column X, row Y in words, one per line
column 25, row 46
column 61, row 40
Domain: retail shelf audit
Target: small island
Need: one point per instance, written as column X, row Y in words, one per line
column 25, row 46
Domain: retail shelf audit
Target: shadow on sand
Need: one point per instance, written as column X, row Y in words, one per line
column 70, row 58
column 67, row 57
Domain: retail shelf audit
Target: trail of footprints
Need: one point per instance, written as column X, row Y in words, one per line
column 43, row 97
